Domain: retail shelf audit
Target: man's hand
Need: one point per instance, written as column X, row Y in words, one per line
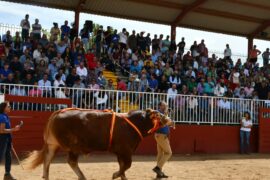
column 17, row 128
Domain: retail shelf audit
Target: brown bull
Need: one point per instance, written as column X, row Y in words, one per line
column 78, row 131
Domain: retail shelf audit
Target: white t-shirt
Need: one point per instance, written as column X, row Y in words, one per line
column 227, row 52
column 82, row 72
column 122, row 38
column 245, row 123
column 172, row 93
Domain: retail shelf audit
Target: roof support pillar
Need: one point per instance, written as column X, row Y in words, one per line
column 77, row 21
column 173, row 32
column 250, row 44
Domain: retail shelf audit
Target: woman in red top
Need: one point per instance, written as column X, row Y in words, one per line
column 253, row 54
column 2, row 49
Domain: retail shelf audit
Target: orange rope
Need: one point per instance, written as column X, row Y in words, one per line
column 112, row 123
column 134, row 127
column 112, row 128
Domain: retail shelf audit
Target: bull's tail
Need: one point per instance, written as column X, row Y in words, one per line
column 35, row 158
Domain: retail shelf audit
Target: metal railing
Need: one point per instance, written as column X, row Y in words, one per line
column 182, row 108
column 12, row 28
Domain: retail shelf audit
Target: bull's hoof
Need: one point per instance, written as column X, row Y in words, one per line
column 82, row 178
column 116, row 175
column 123, row 177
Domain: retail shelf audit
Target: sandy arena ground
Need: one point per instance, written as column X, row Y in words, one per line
column 198, row 167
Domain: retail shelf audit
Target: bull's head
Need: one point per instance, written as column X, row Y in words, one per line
column 158, row 119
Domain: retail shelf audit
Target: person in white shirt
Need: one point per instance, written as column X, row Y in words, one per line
column 101, row 98
column 58, row 81
column 172, row 93
column 37, row 52
column 227, row 52
column 36, row 29
column 25, row 24
column 45, row 86
column 61, row 93
column 219, row 90
column 246, row 124
column 123, row 38
column 224, row 112
column 82, row 71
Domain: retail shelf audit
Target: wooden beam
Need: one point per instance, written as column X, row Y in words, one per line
column 173, row 33
column 206, row 11
column 249, row 4
column 43, row 4
column 260, row 29
column 250, row 45
column 228, row 15
column 187, row 9
column 159, row 3
column 77, row 15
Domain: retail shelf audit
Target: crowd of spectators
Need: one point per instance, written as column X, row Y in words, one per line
column 152, row 65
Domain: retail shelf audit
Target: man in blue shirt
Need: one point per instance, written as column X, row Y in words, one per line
column 163, row 143
column 5, row 138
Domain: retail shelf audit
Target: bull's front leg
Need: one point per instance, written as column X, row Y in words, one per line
column 124, row 161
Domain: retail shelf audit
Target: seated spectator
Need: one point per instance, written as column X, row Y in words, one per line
column 135, row 67
column 94, row 85
column 78, row 93
column 62, row 93
column 9, row 80
column 219, row 90
column 52, row 68
column 143, row 83
column 37, row 53
column 58, row 81
column 192, row 104
column 101, row 99
column 171, row 94
column 44, row 42
column 101, row 80
column 153, row 83
column 42, row 57
column 121, row 85
column 175, row 79
column 82, row 71
column 45, row 86
column 16, row 67
column 59, row 61
column 41, row 69
column 4, row 72
column 249, row 90
column 209, row 87
column 201, row 87
column 191, row 83
column 71, row 78
column 167, row 71
column 18, row 91
column 35, row 91
column 190, row 73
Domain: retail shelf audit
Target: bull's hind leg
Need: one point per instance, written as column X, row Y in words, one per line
column 124, row 164
column 73, row 162
column 48, row 159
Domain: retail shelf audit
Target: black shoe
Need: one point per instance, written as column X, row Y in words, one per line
column 9, row 177
column 162, row 176
column 158, row 171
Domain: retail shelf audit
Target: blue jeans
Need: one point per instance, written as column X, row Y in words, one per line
column 5, row 151
column 244, row 141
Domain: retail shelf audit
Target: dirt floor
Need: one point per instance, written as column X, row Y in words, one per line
column 214, row 167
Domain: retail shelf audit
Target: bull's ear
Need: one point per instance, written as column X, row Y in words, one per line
column 148, row 111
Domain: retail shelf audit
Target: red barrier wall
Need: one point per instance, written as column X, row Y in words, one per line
column 190, row 139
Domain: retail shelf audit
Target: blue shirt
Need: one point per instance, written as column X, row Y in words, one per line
column 163, row 130
column 5, row 120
